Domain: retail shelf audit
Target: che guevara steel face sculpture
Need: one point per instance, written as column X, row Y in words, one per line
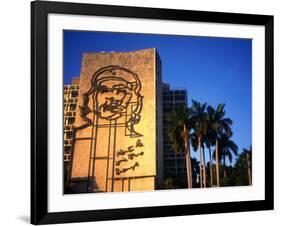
column 116, row 91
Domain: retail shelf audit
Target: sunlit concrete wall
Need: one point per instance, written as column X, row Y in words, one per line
column 118, row 135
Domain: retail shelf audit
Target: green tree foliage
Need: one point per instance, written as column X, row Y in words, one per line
column 240, row 173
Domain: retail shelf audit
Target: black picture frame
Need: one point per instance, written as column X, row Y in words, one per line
column 39, row 112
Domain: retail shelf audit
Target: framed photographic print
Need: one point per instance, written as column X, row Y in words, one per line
column 145, row 112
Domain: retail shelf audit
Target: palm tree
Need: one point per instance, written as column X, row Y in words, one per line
column 179, row 125
column 217, row 124
column 210, row 138
column 199, row 118
column 210, row 141
column 227, row 148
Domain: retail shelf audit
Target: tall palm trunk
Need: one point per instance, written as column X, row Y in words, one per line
column 249, row 169
column 187, row 158
column 189, row 163
column 204, row 168
column 190, row 167
column 217, row 163
column 224, row 167
column 187, row 169
column 200, row 168
column 211, row 167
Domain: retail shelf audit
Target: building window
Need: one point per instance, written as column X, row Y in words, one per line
column 74, row 94
column 68, row 135
column 72, row 107
column 71, row 120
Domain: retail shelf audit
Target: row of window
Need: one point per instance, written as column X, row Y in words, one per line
column 171, row 154
column 70, row 100
column 174, row 174
column 67, row 87
column 172, row 104
column 68, row 127
column 174, row 92
column 70, row 113
column 176, row 98
column 72, row 94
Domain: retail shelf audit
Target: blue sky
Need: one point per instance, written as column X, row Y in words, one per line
column 213, row 70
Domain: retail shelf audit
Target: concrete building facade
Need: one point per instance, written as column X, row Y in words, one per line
column 174, row 163
column 70, row 94
column 117, row 134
